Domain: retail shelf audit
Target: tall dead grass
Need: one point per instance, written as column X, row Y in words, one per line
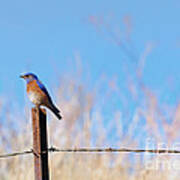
column 85, row 124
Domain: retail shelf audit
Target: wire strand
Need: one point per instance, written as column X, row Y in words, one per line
column 92, row 150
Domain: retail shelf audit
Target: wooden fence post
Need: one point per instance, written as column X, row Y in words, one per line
column 40, row 144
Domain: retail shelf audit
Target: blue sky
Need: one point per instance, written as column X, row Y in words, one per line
column 41, row 35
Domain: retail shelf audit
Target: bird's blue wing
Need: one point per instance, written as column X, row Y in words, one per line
column 43, row 88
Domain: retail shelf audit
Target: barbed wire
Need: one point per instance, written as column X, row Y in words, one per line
column 92, row 150
column 16, row 154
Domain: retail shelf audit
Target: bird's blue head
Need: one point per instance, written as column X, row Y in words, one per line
column 28, row 77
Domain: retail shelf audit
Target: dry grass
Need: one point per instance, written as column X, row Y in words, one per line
column 85, row 125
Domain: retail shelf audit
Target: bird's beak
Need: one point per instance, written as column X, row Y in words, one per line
column 22, row 76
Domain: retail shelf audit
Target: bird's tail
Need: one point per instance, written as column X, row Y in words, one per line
column 55, row 110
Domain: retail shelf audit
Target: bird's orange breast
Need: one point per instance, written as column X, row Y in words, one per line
column 36, row 95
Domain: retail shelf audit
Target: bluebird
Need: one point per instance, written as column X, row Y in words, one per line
column 38, row 94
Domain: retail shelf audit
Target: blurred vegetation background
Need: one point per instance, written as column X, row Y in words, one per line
column 85, row 124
